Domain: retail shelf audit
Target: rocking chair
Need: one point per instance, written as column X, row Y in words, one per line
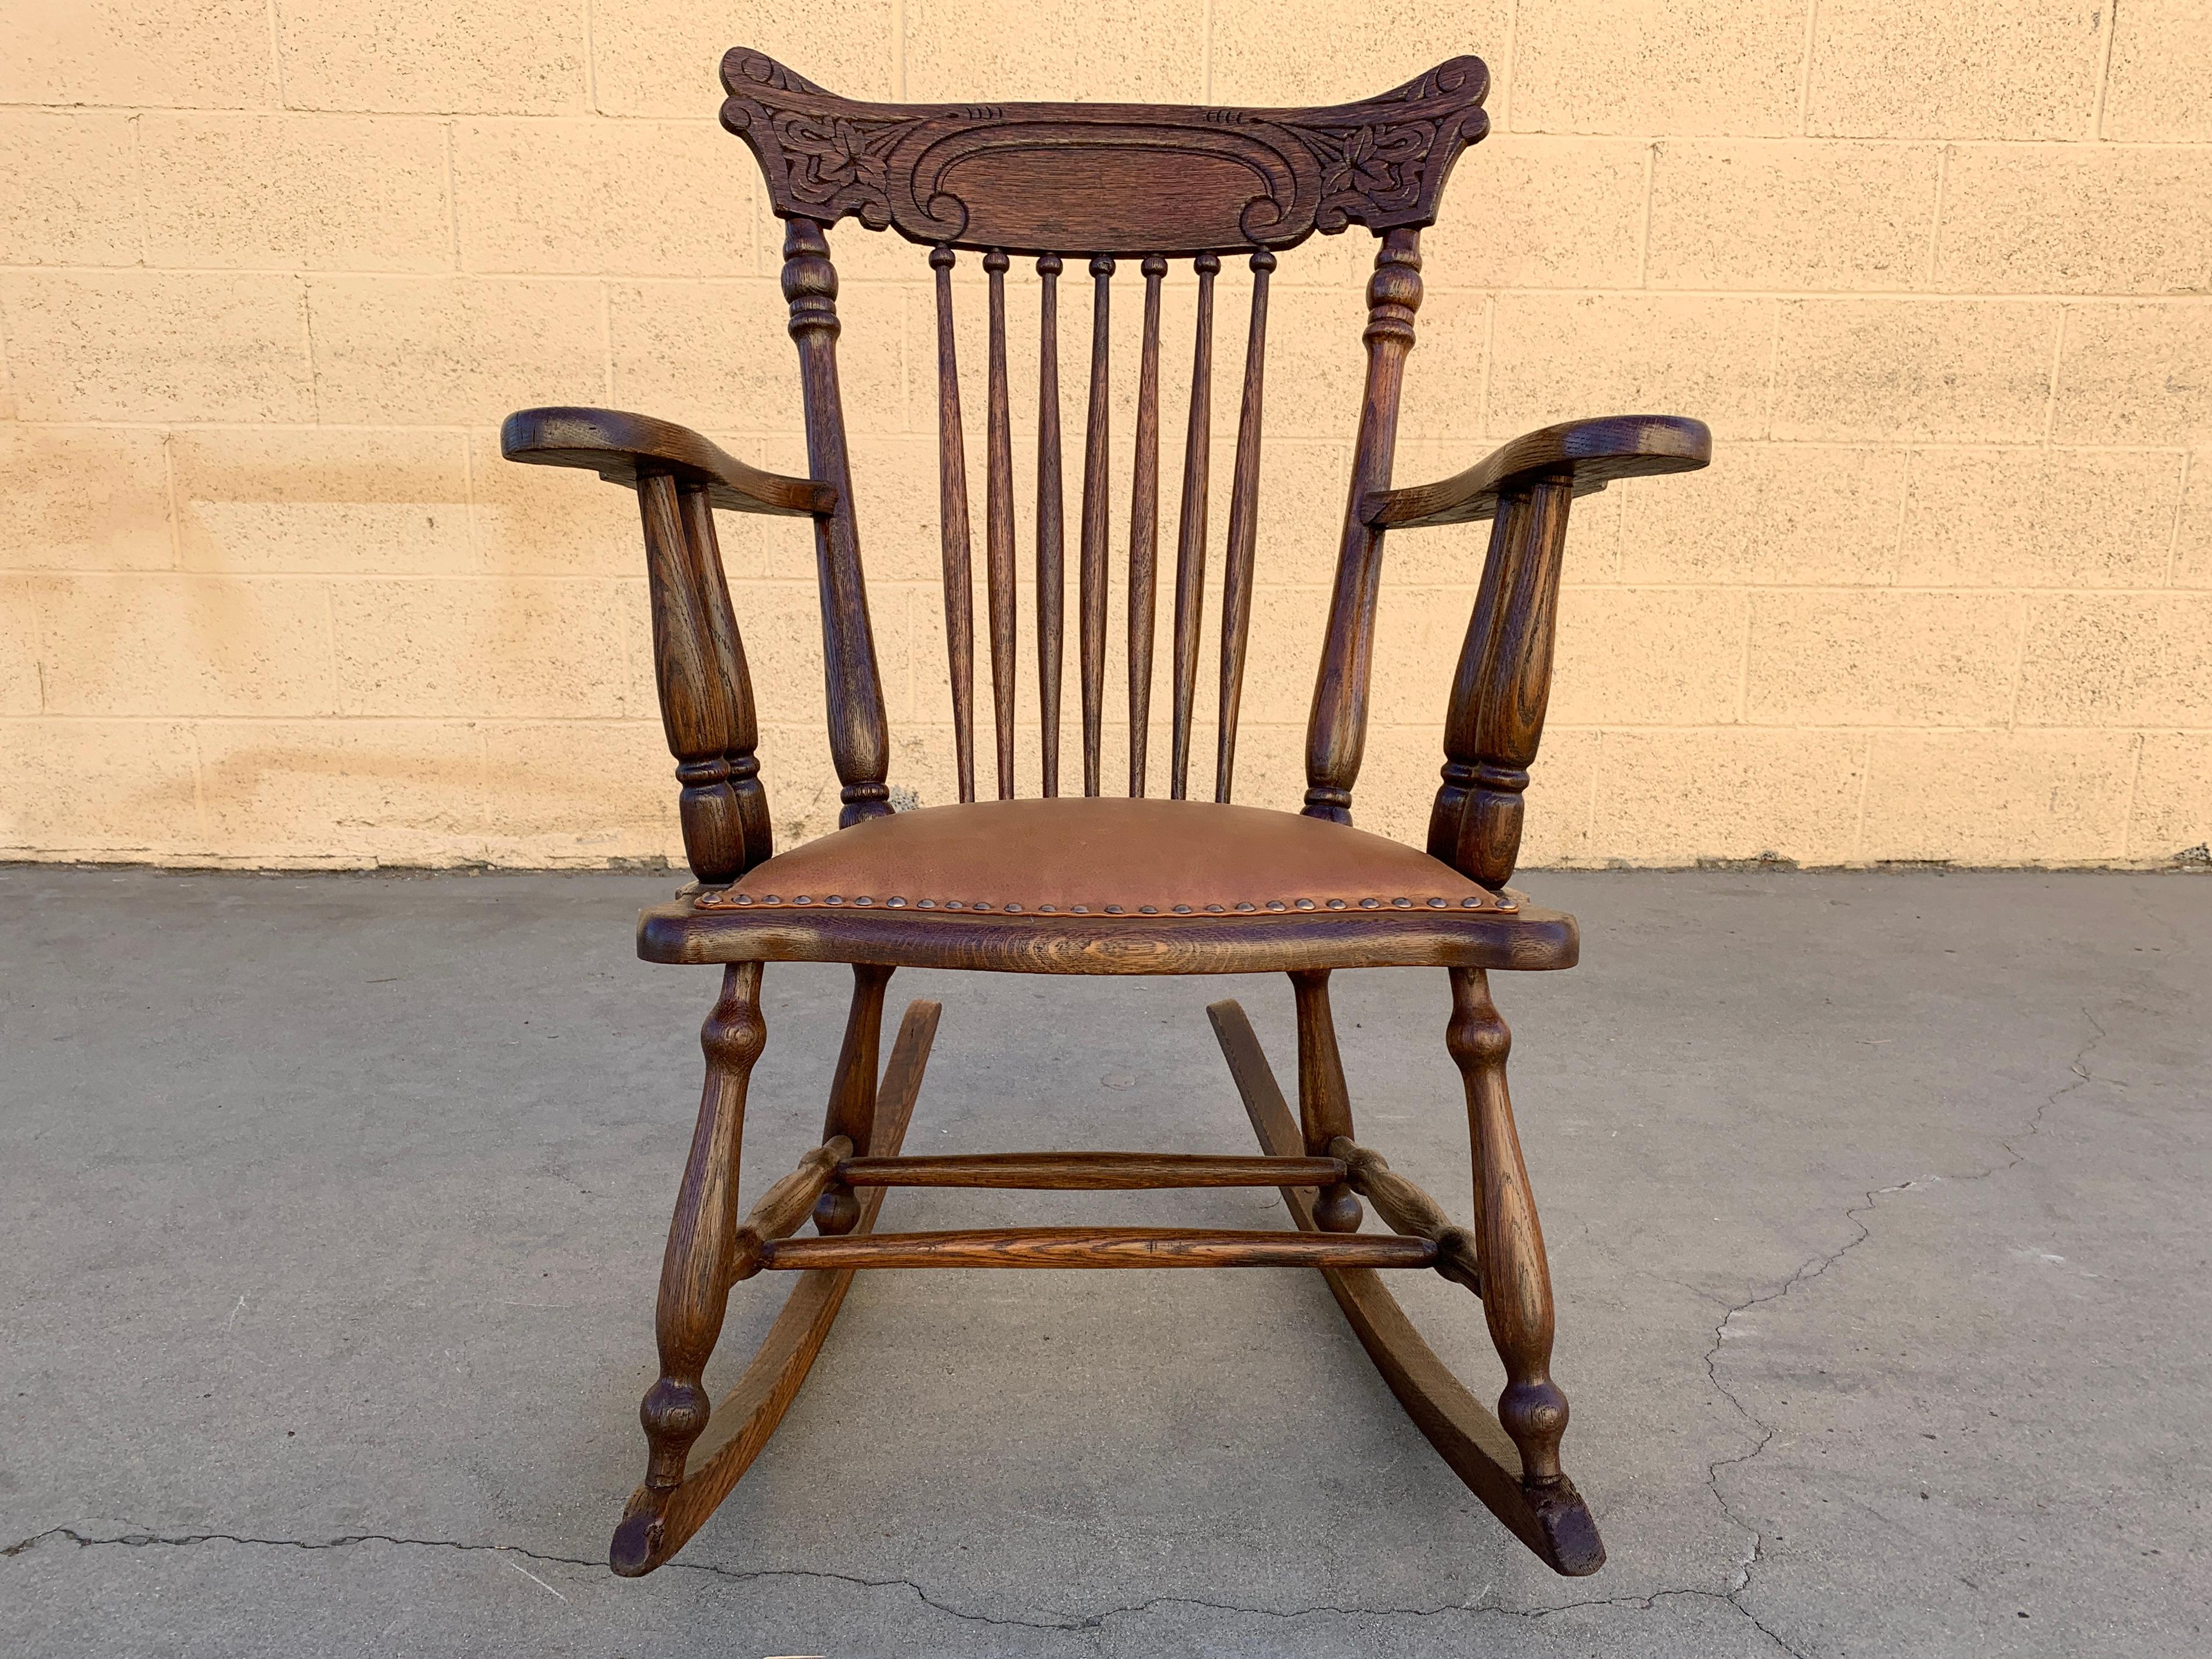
column 1085, row 884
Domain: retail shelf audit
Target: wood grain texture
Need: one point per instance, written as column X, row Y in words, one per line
column 1588, row 454
column 1145, row 526
column 1324, row 1103
column 1101, row 1246
column 620, row 447
column 1110, row 178
column 1244, row 533
column 953, row 533
column 852, row 1114
column 1517, row 1278
column 1495, row 717
column 655, row 1525
column 1051, row 551
column 859, row 742
column 1190, row 531
column 696, row 1269
column 1532, row 940
column 998, row 525
column 1550, row 1518
column 1408, row 1208
column 1336, row 729
column 726, row 653
column 697, row 708
column 787, row 1204
column 1096, row 435
column 1087, row 1171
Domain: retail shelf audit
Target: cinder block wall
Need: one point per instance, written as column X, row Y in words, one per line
column 1937, row 276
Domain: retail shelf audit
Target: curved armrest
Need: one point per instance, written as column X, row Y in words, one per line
column 619, row 447
column 1590, row 453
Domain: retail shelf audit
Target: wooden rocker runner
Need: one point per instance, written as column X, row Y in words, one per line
column 1085, row 884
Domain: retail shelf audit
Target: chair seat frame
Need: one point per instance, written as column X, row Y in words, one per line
column 1107, row 182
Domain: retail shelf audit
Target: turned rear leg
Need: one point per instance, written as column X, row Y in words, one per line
column 1517, row 1284
column 694, row 1274
column 853, row 1095
column 1324, row 1107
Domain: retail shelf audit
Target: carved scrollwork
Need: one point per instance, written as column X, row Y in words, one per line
column 1105, row 178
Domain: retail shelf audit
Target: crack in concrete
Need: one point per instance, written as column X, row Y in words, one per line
column 741, row 1575
column 1733, row 1597
column 1813, row 1269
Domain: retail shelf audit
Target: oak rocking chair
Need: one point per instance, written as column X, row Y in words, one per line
column 1085, row 884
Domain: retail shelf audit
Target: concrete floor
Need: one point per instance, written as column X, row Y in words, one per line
column 333, row 1209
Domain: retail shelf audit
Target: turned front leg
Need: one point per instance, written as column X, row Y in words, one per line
column 694, row 1274
column 1324, row 1105
column 1517, row 1284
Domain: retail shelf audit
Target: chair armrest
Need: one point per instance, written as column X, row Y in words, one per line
column 1589, row 453
column 620, row 447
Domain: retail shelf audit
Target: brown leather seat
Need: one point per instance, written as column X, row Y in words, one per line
column 1062, row 885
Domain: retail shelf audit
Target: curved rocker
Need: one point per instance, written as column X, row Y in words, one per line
column 656, row 1525
column 1549, row 1515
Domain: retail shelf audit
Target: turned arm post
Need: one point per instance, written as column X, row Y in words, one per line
column 1504, row 680
column 706, row 696
column 859, row 742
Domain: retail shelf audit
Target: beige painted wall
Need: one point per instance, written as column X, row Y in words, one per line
column 1937, row 276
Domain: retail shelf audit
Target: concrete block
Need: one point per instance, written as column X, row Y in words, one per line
column 1677, row 797
column 310, row 500
column 310, row 192
column 1998, row 798
column 201, row 53
column 663, row 56
column 155, row 346
column 1657, row 66
column 346, row 791
column 1119, row 51
column 83, row 498
column 111, row 788
column 1798, row 514
column 2134, row 373
column 2040, row 518
column 2172, row 811
column 1804, row 216
column 21, row 692
column 514, row 646
column 541, row 197
column 1880, row 658
column 1528, row 212
column 1566, row 356
column 2117, row 660
column 158, row 644
column 453, row 351
column 1650, row 656
column 488, row 56
column 2158, row 87
column 2082, row 219
column 1265, row 57
column 1983, row 69
column 1962, row 370
column 69, row 188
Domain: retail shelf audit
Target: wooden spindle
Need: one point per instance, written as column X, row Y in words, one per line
column 697, row 709
column 1190, row 529
column 1092, row 576
column 952, row 522
column 1496, row 716
column 1244, row 533
column 999, row 527
column 1324, row 1104
column 1051, row 558
column 860, row 740
column 852, row 1110
column 1144, row 526
column 727, row 648
column 1336, row 731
